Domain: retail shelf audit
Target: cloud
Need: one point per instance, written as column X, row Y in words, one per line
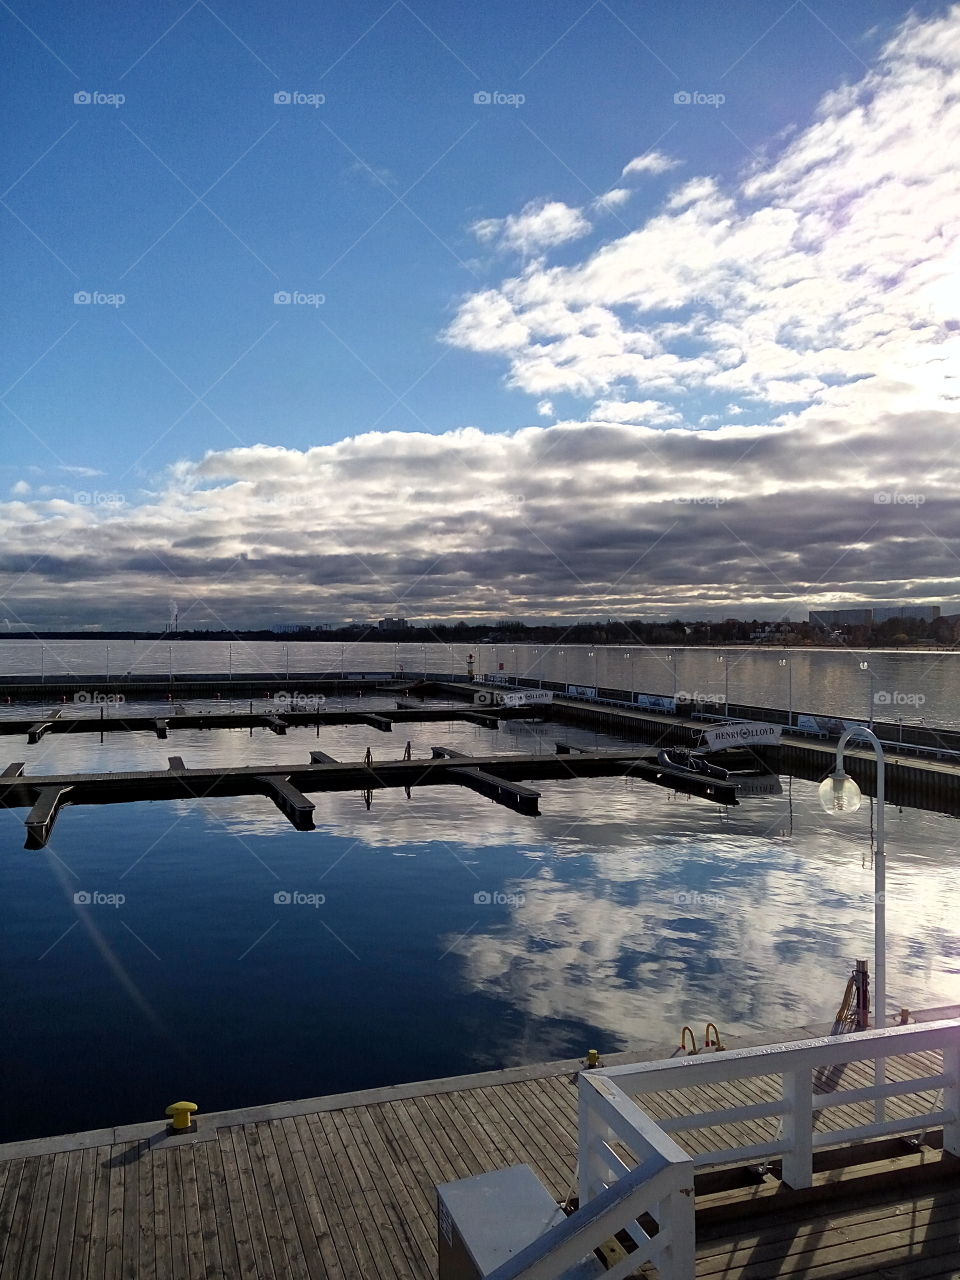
column 820, row 271
column 769, row 371
column 541, row 224
column 652, row 162
column 612, row 199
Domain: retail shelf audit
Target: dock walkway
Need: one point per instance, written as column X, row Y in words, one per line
column 344, row 1187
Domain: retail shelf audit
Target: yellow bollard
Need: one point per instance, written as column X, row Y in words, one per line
column 180, row 1118
column 593, row 1059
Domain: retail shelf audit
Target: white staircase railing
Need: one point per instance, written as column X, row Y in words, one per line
column 660, row 1187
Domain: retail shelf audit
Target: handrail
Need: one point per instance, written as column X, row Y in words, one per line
column 801, row 1098
column 644, row 1188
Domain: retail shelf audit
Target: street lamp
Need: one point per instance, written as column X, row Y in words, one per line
column 726, row 685
column 786, row 662
column 670, row 657
column 865, row 666
column 839, row 794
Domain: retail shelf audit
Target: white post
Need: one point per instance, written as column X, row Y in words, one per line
column 589, row 1175
column 677, row 1215
column 798, row 1128
column 951, row 1098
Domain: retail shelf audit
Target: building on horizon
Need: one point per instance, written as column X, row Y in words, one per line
column 863, row 616
column 392, row 624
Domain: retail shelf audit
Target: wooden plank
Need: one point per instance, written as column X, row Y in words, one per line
column 144, row 1215
column 411, row 1193
column 58, row 1267
column 247, row 1192
column 28, row 1217
column 133, row 1154
column 16, row 1172
column 19, row 1195
column 270, row 1172
column 316, row 1240
column 328, row 1161
column 362, row 1193
column 233, row 1239
column 53, row 1221
column 407, row 1228
column 78, row 1254
column 169, row 1227
column 339, row 1234
column 211, row 1258
column 185, row 1226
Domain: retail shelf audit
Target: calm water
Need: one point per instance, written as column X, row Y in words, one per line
column 920, row 687
column 618, row 915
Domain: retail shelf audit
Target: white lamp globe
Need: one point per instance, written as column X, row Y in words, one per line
column 839, row 793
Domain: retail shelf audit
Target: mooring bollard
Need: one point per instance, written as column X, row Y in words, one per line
column 593, row 1059
column 180, row 1118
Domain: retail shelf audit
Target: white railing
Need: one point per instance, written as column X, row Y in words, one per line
column 798, row 1104
column 660, row 1187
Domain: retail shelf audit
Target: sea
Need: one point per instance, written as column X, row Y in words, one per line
column 204, row 949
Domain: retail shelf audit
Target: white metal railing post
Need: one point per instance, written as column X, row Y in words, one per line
column 677, row 1215
column 951, row 1098
column 589, row 1164
column 798, row 1128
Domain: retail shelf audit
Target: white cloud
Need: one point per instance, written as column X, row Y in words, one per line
column 652, row 162
column 541, row 224
column 546, row 410
column 834, row 264
column 649, row 412
column 21, row 487
column 612, row 199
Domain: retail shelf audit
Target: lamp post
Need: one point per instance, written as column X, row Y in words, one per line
column 726, row 685
column 671, row 658
column 865, row 666
column 787, row 662
column 839, row 794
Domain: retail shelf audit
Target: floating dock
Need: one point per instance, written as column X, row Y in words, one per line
column 496, row 775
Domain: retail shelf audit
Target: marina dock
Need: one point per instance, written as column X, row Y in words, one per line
column 345, row 1186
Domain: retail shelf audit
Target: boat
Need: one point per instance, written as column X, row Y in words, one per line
column 690, row 762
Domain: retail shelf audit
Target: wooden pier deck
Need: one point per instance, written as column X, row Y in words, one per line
column 344, row 1188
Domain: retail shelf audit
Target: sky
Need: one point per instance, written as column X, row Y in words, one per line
column 569, row 310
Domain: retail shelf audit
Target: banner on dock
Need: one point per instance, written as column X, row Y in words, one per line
column 741, row 735
column 528, row 699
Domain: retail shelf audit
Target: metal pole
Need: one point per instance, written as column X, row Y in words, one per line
column 879, row 901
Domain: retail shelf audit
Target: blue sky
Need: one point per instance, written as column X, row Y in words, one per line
column 409, row 207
